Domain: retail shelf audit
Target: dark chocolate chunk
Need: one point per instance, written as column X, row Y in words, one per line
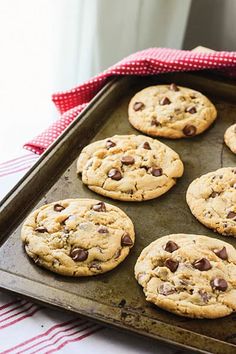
column 221, row 253
column 171, row 264
column 58, row 207
column 202, row 264
column 110, row 144
column 126, row 240
column 191, row 110
column 173, row 87
column 231, row 215
column 156, row 172
column 146, row 146
column 127, row 160
column 114, row 174
column 138, row 106
column 99, row 207
column 171, row 246
column 189, row 130
column 79, row 254
column 219, row 284
column 164, row 101
column 41, row 229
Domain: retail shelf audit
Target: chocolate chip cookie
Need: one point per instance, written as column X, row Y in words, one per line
column 230, row 138
column 78, row 237
column 190, row 275
column 212, row 200
column 129, row 167
column 171, row 111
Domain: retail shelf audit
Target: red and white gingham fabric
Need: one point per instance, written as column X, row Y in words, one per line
column 147, row 62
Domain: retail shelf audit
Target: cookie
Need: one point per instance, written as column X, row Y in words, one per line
column 230, row 138
column 189, row 275
column 78, row 237
column 171, row 111
column 129, row 167
column 212, row 200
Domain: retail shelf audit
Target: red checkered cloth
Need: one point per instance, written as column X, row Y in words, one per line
column 147, row 62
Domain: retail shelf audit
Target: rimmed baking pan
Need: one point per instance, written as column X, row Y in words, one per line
column 115, row 298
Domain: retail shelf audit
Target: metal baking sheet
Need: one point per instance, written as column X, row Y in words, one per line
column 115, row 298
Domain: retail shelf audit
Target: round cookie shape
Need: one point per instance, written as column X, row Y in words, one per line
column 195, row 279
column 129, row 167
column 171, row 111
column 78, row 237
column 230, row 138
column 212, row 200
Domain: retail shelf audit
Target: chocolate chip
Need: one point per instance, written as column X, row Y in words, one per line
column 166, row 289
column 58, row 207
column 171, row 246
column 114, row 174
column 146, row 146
column 173, row 87
column 213, row 194
column 41, row 229
column 122, row 303
column 126, row 240
column 102, row 229
column 79, row 254
column 191, row 110
column 127, row 160
column 95, row 265
column 231, row 215
column 221, row 253
column 155, row 122
column 219, row 284
column 202, row 264
column 189, row 130
column 138, row 106
column 156, row 172
column 99, row 207
column 110, row 144
column 205, row 297
column 164, row 101
column 171, row 264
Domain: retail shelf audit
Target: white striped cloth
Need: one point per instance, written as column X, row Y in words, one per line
column 29, row 328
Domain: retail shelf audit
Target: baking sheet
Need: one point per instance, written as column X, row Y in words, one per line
column 115, row 298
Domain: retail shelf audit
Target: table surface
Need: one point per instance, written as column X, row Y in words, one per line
column 28, row 328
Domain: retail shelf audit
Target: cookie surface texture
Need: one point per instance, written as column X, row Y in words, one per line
column 129, row 167
column 171, row 111
column 230, row 138
column 78, row 237
column 189, row 275
column 212, row 200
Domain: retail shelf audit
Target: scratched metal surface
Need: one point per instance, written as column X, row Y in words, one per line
column 115, row 298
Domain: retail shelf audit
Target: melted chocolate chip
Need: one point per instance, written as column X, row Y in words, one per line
column 114, row 174
column 146, row 146
column 219, row 284
column 189, row 130
column 171, row 264
column 231, row 215
column 156, row 172
column 155, row 122
column 202, row 264
column 191, row 110
column 173, row 87
column 166, row 289
column 164, row 101
column 99, row 207
column 95, row 265
column 213, row 194
column 79, row 254
column 171, row 246
column 221, row 253
column 126, row 240
column 127, row 160
column 41, row 229
column 58, row 207
column 110, row 144
column 102, row 229
column 205, row 297
column 138, row 106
